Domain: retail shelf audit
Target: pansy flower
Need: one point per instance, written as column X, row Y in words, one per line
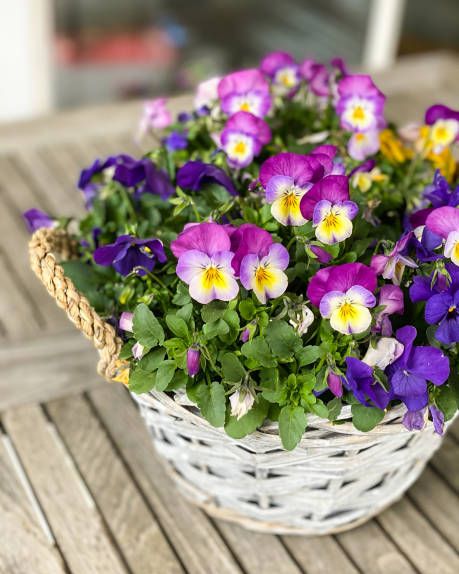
column 409, row 374
column 327, row 204
column 391, row 298
column 444, row 222
column 444, row 126
column 176, row 141
column 416, row 420
column 360, row 105
column 283, row 71
column 248, row 239
column 363, row 176
column 317, row 76
column 155, row 115
column 360, row 380
column 264, row 275
column 439, row 192
column 194, row 175
column 204, row 262
column 243, row 137
column 206, row 93
column 246, row 91
column 344, row 294
column 392, row 265
column 130, row 254
column 36, row 219
column 363, row 144
column 286, row 178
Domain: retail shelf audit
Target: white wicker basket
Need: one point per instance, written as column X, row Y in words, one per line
column 336, row 478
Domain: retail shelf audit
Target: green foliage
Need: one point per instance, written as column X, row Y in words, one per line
column 248, row 423
column 147, row 329
column 366, row 418
column 211, row 401
column 292, row 424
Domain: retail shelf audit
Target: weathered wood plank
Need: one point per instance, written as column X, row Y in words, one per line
column 453, row 430
column 23, row 540
column 130, row 520
column 373, row 552
column 319, row 555
column 438, row 503
column 257, row 552
column 192, row 534
column 446, row 462
column 72, row 515
column 42, row 369
column 421, row 543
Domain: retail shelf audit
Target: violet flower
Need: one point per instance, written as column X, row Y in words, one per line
column 360, row 104
column 36, row 219
column 409, row 374
column 194, row 175
column 444, row 124
column 393, row 265
column 391, row 297
column 90, row 180
column 206, row 93
column 444, row 222
column 246, row 91
column 243, row 137
column 416, row 420
column 442, row 309
column 249, row 239
column 130, row 254
column 439, row 192
column 283, row 71
column 155, row 115
column 193, row 359
column 360, row 380
column 175, row 141
column 363, row 144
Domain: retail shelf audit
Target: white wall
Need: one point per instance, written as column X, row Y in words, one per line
column 26, row 28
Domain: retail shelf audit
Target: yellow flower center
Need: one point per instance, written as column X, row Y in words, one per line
column 240, row 148
column 290, row 200
column 347, row 312
column 452, row 309
column 245, row 107
column 286, row 80
column 263, row 277
column 360, row 137
column 331, row 221
column 213, row 277
column 358, row 113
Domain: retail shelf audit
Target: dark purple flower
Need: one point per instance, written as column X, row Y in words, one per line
column 193, row 358
column 243, row 137
column 409, row 374
column 35, row 219
column 194, row 175
column 440, row 112
column 360, row 380
column 129, row 254
column 283, row 71
column 249, row 239
column 90, row 182
column 438, row 419
column 414, row 420
column 442, row 309
column 391, row 296
column 175, row 141
column 439, row 192
column 335, row 384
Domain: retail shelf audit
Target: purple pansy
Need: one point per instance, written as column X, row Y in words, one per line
column 409, row 374
column 360, row 105
column 416, row 420
column 155, row 115
column 392, row 266
column 333, row 188
column 391, row 297
column 194, row 175
column 439, row 193
column 340, row 278
column 176, row 141
column 444, row 127
column 360, row 380
column 317, row 76
column 36, row 219
column 265, row 274
column 283, row 71
column 130, row 254
column 204, row 262
column 249, row 239
column 89, row 182
column 440, row 112
column 243, row 137
column 444, row 222
column 247, row 91
column 348, row 310
column 442, row 304
column 363, row 144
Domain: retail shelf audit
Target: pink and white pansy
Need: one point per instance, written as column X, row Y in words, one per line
column 246, row 91
column 444, row 126
column 283, row 71
column 204, row 262
column 360, row 104
column 444, row 222
column 243, row 138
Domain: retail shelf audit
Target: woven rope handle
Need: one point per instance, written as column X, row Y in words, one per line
column 44, row 245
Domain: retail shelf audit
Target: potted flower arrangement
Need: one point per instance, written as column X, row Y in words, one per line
column 277, row 283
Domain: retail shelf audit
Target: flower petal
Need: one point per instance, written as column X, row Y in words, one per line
column 361, row 296
column 277, row 257
column 443, row 221
column 330, row 302
column 191, row 264
column 350, row 319
column 277, row 186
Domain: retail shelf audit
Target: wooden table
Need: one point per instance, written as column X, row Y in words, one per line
column 81, row 489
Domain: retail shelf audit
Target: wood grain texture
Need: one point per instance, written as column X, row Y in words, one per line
column 22, row 539
column 446, row 462
column 199, row 545
column 418, row 540
column 130, row 520
column 319, row 555
column 373, row 552
column 257, row 552
column 45, row 368
column 71, row 513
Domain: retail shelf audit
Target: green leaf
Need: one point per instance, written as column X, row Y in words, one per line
column 178, row 326
column 213, row 311
column 141, row 381
column 334, row 408
column 258, row 350
column 211, row 400
column 164, row 374
column 151, row 361
column 126, row 350
column 86, row 280
column 320, row 409
column 446, row 401
column 308, row 355
column 247, row 309
column 232, row 369
column 282, row 339
column 249, row 422
column 185, row 312
column 179, row 380
column 366, row 418
column 147, row 329
column 215, row 329
column 292, row 424
column 182, row 297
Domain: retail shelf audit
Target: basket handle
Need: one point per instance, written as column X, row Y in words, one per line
column 44, row 245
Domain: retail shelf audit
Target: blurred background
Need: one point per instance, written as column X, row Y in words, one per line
column 58, row 54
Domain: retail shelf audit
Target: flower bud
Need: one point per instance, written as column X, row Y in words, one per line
column 245, row 335
column 125, row 322
column 241, row 402
column 387, row 351
column 193, row 357
column 137, row 351
column 335, row 384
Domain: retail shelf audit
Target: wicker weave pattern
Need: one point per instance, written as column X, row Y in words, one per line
column 335, row 479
